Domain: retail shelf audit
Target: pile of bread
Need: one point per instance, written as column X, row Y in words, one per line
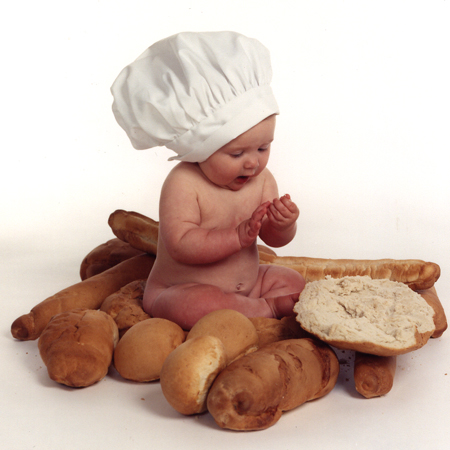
column 245, row 372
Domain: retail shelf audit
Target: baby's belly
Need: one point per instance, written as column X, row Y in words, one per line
column 238, row 273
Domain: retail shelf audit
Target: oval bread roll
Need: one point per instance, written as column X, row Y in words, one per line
column 125, row 306
column 189, row 371
column 236, row 331
column 378, row 317
column 77, row 346
column 142, row 350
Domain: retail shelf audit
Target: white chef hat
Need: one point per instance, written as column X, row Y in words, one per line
column 194, row 92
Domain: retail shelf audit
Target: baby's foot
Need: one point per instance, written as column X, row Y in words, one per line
column 283, row 306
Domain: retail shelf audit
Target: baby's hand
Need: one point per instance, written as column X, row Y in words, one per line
column 282, row 213
column 248, row 230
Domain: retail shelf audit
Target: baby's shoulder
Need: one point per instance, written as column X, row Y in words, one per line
column 183, row 172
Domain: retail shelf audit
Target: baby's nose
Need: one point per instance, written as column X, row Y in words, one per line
column 251, row 162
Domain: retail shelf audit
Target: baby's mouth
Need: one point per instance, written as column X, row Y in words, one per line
column 242, row 179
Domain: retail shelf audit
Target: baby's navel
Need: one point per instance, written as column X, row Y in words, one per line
column 239, row 286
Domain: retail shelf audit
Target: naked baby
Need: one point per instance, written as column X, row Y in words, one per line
column 207, row 96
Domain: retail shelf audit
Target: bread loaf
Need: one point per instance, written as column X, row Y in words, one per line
column 77, row 347
column 253, row 391
column 439, row 317
column 379, row 317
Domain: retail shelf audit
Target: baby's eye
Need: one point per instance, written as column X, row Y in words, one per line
column 263, row 149
column 235, row 155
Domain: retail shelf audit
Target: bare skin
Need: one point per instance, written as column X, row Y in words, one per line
column 211, row 214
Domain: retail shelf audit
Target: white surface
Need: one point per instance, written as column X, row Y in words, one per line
column 362, row 146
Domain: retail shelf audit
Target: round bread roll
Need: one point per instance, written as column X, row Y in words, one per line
column 125, row 306
column 142, row 350
column 189, row 371
column 378, row 317
column 235, row 330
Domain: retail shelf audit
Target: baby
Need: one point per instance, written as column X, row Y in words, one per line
column 207, row 96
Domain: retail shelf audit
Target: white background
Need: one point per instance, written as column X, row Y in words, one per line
column 361, row 145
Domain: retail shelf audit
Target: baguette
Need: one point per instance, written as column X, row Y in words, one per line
column 139, row 231
column 439, row 318
column 416, row 274
column 374, row 375
column 142, row 233
column 87, row 294
column 253, row 391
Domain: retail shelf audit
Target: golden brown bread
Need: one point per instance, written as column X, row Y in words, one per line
column 374, row 375
column 105, row 256
column 440, row 320
column 77, row 347
column 235, row 330
column 87, row 294
column 142, row 350
column 139, row 231
column 189, row 371
column 125, row 305
column 253, row 391
column 142, row 233
column 415, row 273
column 271, row 330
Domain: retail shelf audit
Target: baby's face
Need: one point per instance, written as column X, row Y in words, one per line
column 242, row 159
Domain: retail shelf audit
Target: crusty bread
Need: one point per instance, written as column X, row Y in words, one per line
column 235, row 330
column 379, row 317
column 125, row 306
column 77, row 346
column 105, row 256
column 189, row 371
column 415, row 273
column 253, row 391
column 440, row 319
column 142, row 350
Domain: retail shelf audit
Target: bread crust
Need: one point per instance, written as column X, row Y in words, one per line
column 77, row 347
column 253, row 391
column 440, row 320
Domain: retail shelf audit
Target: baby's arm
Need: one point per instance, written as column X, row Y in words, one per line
column 180, row 225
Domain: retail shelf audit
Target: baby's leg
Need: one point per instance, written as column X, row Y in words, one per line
column 280, row 287
column 185, row 304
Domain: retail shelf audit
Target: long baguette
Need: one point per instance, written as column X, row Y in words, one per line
column 374, row 375
column 142, row 233
column 253, row 391
column 415, row 273
column 87, row 294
